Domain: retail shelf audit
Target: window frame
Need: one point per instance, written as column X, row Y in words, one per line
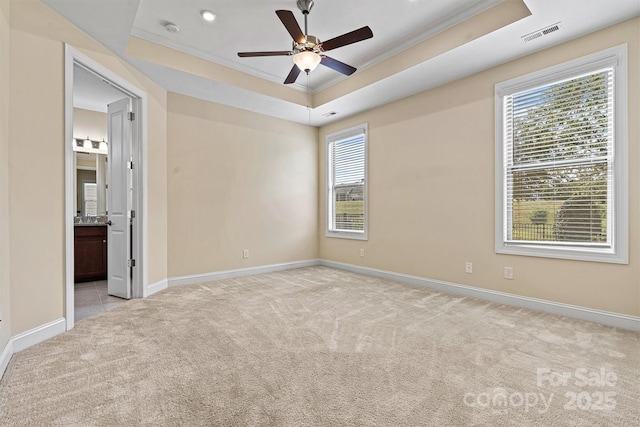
column 615, row 58
column 334, row 137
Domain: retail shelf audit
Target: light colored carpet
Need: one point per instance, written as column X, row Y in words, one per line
column 318, row 346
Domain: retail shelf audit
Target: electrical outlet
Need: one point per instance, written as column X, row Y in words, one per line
column 508, row 273
column 468, row 267
column 361, row 251
column 245, row 254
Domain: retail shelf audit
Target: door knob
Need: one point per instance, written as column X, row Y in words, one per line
column 109, row 223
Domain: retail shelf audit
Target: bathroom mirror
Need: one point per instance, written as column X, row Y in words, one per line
column 91, row 184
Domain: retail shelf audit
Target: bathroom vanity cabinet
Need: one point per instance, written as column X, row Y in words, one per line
column 90, row 252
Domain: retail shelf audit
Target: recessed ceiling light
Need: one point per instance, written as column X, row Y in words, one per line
column 207, row 15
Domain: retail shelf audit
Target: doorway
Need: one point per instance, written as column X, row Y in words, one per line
column 105, row 216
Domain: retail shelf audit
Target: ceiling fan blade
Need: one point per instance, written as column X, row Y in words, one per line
column 274, row 53
column 290, row 23
column 340, row 67
column 348, row 38
column 293, row 75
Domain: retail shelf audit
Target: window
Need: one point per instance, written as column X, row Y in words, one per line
column 347, row 183
column 561, row 161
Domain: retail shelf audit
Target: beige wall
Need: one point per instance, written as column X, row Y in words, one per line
column 37, row 118
column 431, row 176
column 92, row 124
column 5, row 314
column 238, row 180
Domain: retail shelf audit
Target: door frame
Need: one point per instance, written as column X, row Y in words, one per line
column 139, row 136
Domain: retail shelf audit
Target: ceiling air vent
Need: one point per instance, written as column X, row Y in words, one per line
column 542, row 32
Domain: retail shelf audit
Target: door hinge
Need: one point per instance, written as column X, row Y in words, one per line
column 131, row 263
column 130, row 165
column 131, row 116
column 133, row 214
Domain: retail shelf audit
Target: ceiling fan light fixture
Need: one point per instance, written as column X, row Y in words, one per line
column 307, row 60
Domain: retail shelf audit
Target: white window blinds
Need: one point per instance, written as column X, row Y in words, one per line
column 346, row 172
column 558, row 160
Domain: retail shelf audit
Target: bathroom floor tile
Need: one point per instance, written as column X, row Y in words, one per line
column 92, row 298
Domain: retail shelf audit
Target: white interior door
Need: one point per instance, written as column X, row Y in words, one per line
column 119, row 199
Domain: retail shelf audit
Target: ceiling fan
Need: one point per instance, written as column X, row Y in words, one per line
column 308, row 51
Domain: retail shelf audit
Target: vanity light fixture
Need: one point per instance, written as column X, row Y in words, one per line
column 88, row 145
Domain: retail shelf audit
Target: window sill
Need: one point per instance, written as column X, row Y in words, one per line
column 568, row 253
column 347, row 235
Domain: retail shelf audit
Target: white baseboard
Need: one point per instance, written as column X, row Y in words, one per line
column 608, row 318
column 37, row 335
column 30, row 338
column 5, row 357
column 156, row 287
column 230, row 274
